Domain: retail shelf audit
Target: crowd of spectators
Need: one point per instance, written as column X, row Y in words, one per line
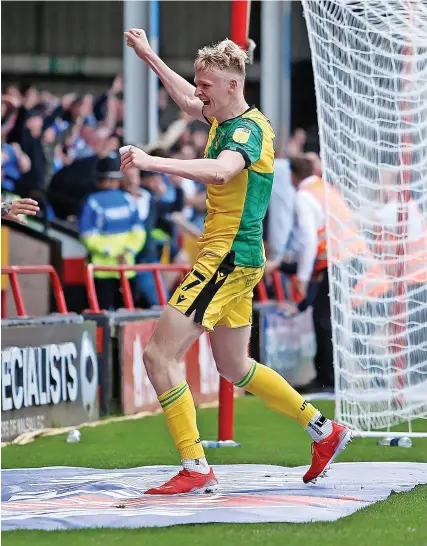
column 52, row 147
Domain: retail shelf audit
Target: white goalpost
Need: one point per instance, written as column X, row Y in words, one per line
column 370, row 66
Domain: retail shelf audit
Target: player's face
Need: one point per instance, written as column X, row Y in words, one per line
column 214, row 88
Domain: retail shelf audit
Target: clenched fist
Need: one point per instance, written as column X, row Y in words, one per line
column 131, row 156
column 136, row 38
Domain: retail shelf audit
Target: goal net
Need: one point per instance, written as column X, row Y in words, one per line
column 370, row 65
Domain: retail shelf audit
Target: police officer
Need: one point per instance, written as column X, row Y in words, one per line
column 111, row 229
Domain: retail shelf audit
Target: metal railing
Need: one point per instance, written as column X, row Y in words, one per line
column 128, row 301
column 156, row 270
column 13, row 271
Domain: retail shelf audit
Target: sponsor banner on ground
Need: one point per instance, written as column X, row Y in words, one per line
column 49, row 377
column 72, row 498
column 198, row 366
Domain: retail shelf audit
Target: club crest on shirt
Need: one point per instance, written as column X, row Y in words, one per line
column 241, row 135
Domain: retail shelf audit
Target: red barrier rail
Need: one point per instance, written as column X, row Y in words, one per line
column 14, row 270
column 278, row 286
column 261, row 289
column 156, row 269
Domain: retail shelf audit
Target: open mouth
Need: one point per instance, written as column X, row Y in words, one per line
column 206, row 102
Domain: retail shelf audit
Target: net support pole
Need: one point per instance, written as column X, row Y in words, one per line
column 153, row 80
column 276, row 68
column 240, row 12
column 135, row 77
column 270, row 92
column 285, row 72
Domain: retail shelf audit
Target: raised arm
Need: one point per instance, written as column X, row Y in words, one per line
column 180, row 90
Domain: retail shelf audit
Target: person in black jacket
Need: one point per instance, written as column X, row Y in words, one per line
column 31, row 143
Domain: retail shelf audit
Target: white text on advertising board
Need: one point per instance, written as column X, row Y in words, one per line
column 50, row 374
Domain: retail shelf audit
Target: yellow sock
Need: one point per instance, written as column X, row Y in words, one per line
column 277, row 393
column 178, row 406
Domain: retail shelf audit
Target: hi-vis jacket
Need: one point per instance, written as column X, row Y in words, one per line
column 111, row 229
column 347, row 243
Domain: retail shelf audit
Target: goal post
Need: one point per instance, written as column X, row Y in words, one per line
column 370, row 67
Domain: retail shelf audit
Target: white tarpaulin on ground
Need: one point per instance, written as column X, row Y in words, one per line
column 71, row 498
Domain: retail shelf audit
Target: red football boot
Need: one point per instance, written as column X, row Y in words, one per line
column 187, row 482
column 325, row 451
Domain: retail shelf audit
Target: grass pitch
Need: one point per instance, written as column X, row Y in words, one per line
column 267, row 438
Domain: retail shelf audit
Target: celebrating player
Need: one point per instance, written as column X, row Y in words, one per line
column 217, row 294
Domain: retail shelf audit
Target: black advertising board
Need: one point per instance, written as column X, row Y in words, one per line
column 49, row 376
column 110, row 373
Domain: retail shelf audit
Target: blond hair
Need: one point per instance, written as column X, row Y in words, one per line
column 225, row 55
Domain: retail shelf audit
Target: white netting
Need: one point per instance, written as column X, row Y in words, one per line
column 370, row 65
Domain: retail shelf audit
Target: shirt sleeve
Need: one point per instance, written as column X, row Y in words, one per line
column 245, row 137
column 281, row 212
column 88, row 220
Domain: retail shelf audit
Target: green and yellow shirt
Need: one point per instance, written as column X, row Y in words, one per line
column 236, row 210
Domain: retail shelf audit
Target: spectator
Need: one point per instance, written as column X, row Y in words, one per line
column 33, row 180
column 101, row 103
column 71, row 184
column 169, row 112
column 9, row 112
column 313, row 249
column 316, row 163
column 15, row 163
column 281, row 213
column 177, row 134
column 159, row 228
column 309, row 293
column 111, row 229
column 199, row 138
column 186, row 151
column 196, row 204
column 399, row 227
column 297, row 143
column 194, row 195
column 280, row 234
